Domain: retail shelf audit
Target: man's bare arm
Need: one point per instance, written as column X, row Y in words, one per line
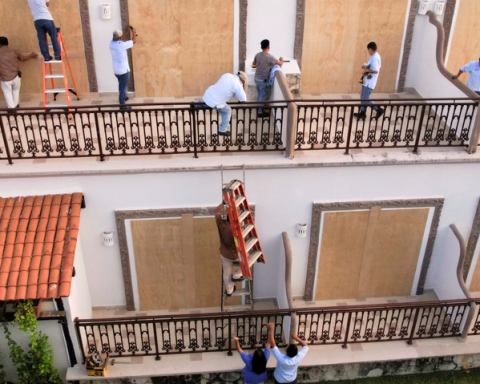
column 294, row 336
column 27, row 57
column 237, row 345
column 48, row 4
column 134, row 37
column 280, row 61
column 218, row 209
column 271, row 340
column 457, row 75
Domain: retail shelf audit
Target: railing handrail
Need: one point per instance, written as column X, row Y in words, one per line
column 280, row 312
column 187, row 105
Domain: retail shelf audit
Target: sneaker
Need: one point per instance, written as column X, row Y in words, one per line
column 58, row 58
column 360, row 115
column 265, row 114
column 49, row 59
column 127, row 98
column 125, row 108
column 380, row 112
column 230, row 294
column 18, row 106
column 241, row 278
column 226, row 133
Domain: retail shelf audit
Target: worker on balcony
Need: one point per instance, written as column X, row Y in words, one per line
column 370, row 71
column 10, row 72
column 263, row 63
column 228, row 251
column 217, row 95
column 43, row 20
column 255, row 370
column 473, row 69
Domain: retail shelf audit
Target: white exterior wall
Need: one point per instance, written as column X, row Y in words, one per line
column 283, row 197
column 102, row 32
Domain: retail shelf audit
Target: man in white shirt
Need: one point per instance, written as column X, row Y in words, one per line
column 473, row 69
column 369, row 82
column 44, row 24
column 121, row 69
column 217, row 95
column 287, row 364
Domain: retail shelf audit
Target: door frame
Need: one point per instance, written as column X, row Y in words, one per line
column 316, row 226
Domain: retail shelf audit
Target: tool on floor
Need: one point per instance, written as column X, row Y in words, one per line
column 57, row 75
column 245, row 235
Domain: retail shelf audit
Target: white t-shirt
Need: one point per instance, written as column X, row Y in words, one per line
column 119, row 56
column 39, row 10
column 375, row 63
column 473, row 69
column 228, row 86
column 286, row 370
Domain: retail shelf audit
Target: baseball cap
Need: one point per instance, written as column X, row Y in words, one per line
column 117, row 34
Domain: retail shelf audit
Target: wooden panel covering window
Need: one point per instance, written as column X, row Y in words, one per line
column 18, row 27
column 370, row 253
column 335, row 43
column 475, row 284
column 466, row 37
column 185, row 45
column 178, row 263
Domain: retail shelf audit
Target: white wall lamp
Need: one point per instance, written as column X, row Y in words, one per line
column 439, row 7
column 423, row 7
column 302, row 230
column 108, row 239
column 106, row 14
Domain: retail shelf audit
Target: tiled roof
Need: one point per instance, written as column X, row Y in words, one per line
column 38, row 235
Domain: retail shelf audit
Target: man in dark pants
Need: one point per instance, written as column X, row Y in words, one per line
column 44, row 24
column 118, row 49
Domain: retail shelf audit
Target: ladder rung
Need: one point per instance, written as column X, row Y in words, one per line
column 233, row 185
column 234, row 308
column 56, row 90
column 50, row 45
column 56, row 106
column 54, row 76
column 247, row 230
column 241, row 292
column 239, row 200
column 53, row 62
column 254, row 257
column 244, row 215
column 250, row 243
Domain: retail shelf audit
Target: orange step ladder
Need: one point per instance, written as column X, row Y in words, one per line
column 63, row 75
column 244, row 232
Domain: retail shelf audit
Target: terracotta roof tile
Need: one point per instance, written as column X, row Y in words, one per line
column 38, row 236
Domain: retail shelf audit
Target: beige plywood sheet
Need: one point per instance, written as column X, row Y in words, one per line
column 184, row 46
column 159, row 263
column 336, row 36
column 18, row 27
column 465, row 45
column 475, row 284
column 392, row 247
column 343, row 241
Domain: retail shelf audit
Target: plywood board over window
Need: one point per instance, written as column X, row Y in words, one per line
column 466, row 37
column 184, row 45
column 18, row 27
column 335, row 43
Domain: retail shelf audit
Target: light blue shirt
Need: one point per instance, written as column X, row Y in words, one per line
column 473, row 69
column 375, row 63
column 118, row 49
column 286, row 370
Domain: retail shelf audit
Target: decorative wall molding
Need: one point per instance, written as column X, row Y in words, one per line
column 87, row 42
column 472, row 242
column 121, row 216
column 319, row 208
column 126, row 32
column 447, row 24
column 242, row 42
column 299, row 31
column 407, row 46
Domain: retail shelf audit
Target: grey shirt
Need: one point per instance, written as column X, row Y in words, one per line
column 264, row 62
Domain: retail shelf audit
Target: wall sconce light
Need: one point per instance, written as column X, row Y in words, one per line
column 439, row 7
column 423, row 7
column 302, row 230
column 108, row 239
column 106, row 14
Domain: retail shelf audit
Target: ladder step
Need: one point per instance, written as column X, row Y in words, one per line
column 247, row 230
column 56, row 90
column 240, row 292
column 53, row 61
column 50, row 45
column 244, row 215
column 250, row 243
column 252, row 258
column 233, row 185
column 234, row 308
column 59, row 106
column 54, row 76
column 239, row 200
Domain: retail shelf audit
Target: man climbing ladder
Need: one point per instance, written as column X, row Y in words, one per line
column 44, row 24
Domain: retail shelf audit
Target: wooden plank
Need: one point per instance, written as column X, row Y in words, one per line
column 336, row 36
column 188, row 261
column 392, row 247
column 475, row 284
column 466, row 37
column 18, row 27
column 343, row 241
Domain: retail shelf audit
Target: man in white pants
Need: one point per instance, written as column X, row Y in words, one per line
column 228, row 252
column 9, row 72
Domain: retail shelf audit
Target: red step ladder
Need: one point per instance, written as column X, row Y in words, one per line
column 243, row 227
column 63, row 75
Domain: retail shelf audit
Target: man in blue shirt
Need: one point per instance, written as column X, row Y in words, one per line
column 287, row 364
column 473, row 69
